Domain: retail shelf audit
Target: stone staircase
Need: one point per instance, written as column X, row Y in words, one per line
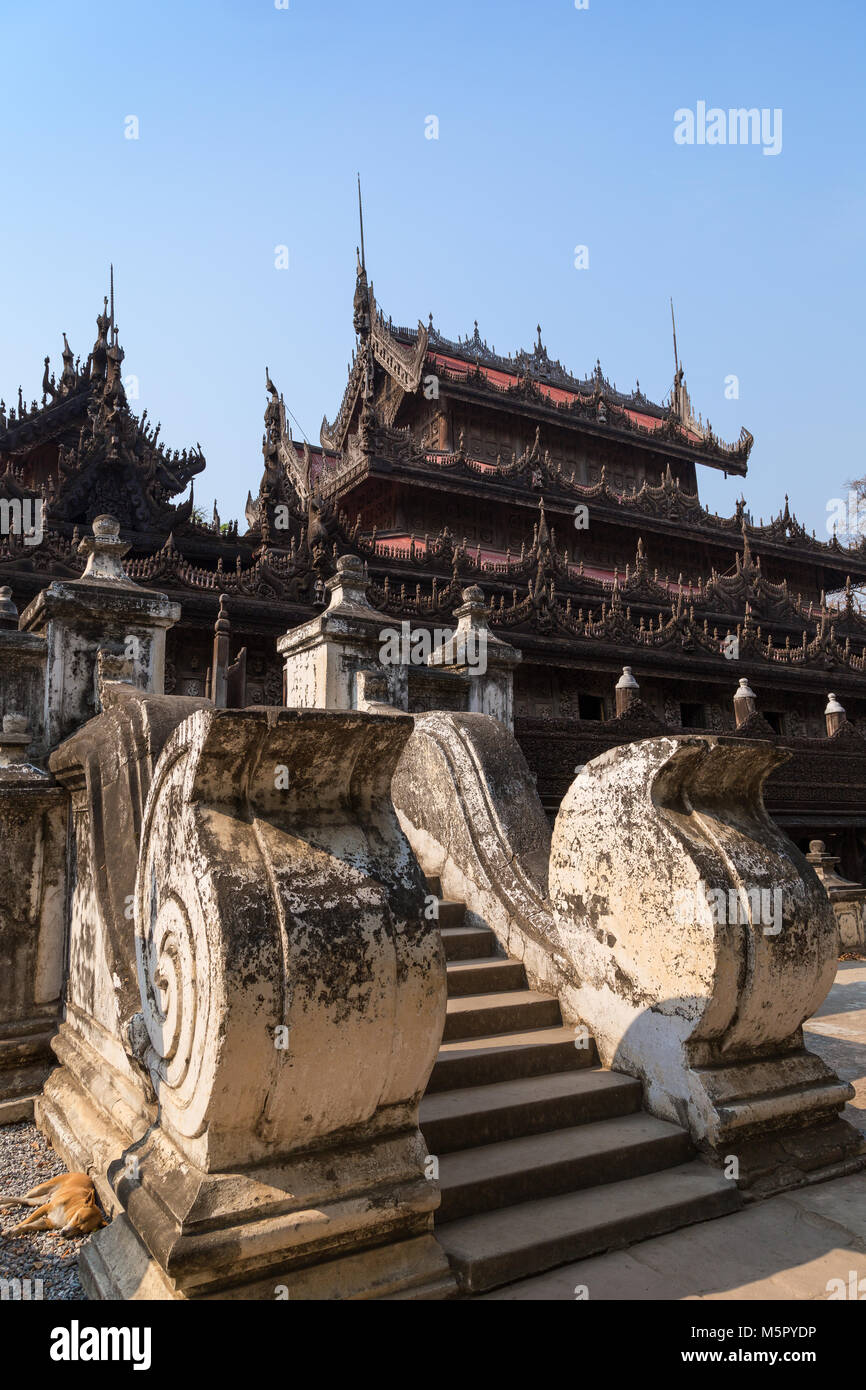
column 544, row 1156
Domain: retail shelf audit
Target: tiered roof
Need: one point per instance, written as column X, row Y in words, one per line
column 540, row 384
column 83, row 451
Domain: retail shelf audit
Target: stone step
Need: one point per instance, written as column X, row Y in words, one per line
column 478, row 1014
column 498, row 1247
column 508, row 1056
column 543, row 1165
column 482, row 975
column 467, row 943
column 475, row 1115
column 451, row 914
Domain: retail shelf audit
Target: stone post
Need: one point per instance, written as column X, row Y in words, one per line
column 32, row 900
column 102, row 612
column 848, row 898
column 220, row 659
column 22, row 673
column 323, row 657
column 627, row 690
column 834, row 715
column 745, row 702
column 482, row 657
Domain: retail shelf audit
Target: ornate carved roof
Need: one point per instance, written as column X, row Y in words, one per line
column 533, row 376
column 83, row 451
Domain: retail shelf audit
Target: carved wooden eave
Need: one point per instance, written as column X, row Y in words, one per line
column 534, row 470
column 545, row 608
column 13, row 486
column 670, row 440
column 592, row 404
column 44, row 423
column 403, row 362
column 333, row 436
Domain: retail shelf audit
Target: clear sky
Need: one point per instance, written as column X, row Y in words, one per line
column 555, row 129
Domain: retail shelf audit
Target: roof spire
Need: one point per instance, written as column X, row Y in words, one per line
column 111, row 310
column 362, row 312
column 680, row 404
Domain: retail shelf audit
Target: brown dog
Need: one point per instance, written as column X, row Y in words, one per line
column 66, row 1204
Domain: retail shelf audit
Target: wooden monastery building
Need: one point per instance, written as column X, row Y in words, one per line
column 574, row 506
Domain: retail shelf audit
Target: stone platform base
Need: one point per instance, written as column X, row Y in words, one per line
column 114, row 1265
column 776, row 1163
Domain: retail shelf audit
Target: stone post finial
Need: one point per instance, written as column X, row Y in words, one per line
column 745, row 702
column 467, row 645
column 824, row 865
column 349, row 584
column 627, row 690
column 104, row 551
column 8, row 611
column 473, row 605
column 818, row 853
column 834, row 715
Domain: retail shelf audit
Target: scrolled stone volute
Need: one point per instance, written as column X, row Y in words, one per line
column 703, row 940
column 293, row 1000
column 276, row 890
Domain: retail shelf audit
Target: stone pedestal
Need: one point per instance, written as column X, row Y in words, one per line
column 834, row 715
column 745, row 703
column 848, row 898
column 324, row 657
column 292, row 1004
column 103, row 612
column 32, row 893
column 627, row 691
column 482, row 658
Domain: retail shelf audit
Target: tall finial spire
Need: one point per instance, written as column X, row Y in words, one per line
column 674, row 326
column 361, row 219
column 679, row 398
column 111, row 309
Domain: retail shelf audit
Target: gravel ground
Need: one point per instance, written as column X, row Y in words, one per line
column 26, row 1158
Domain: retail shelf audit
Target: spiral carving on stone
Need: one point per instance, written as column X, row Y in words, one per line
column 170, row 1004
column 173, row 958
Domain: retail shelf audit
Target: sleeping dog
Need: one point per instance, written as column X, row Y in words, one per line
column 66, row 1204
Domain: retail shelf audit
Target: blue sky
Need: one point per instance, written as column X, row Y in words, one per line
column 555, row 130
